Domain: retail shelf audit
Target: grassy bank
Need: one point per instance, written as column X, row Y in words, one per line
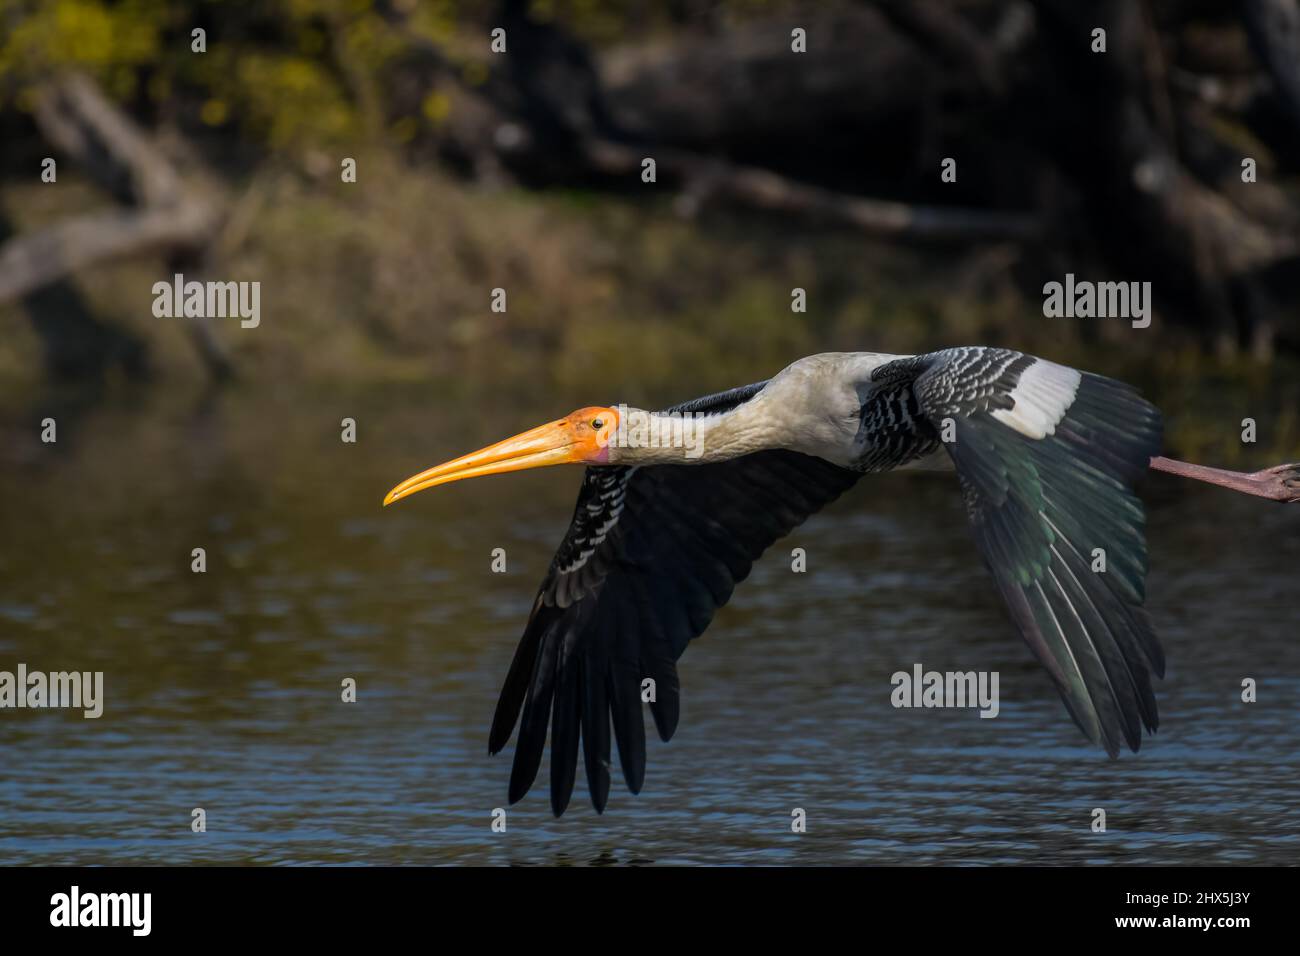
column 389, row 281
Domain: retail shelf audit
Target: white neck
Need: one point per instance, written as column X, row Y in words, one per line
column 654, row 438
column 811, row 406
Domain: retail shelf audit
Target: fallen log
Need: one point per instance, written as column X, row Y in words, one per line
column 705, row 178
column 170, row 216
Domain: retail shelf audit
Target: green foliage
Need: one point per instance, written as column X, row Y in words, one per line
column 87, row 34
column 286, row 75
column 391, row 284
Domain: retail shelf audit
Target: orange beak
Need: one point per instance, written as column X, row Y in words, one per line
column 582, row 437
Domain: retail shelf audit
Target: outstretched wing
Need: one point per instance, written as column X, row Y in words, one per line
column 1047, row 457
column 651, row 553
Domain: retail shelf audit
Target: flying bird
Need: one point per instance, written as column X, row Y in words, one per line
column 676, row 505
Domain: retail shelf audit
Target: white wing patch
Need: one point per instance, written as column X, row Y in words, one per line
column 1042, row 396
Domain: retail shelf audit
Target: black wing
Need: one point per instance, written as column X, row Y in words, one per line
column 1047, row 457
column 651, row 553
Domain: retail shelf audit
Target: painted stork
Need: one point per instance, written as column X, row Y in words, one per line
column 675, row 507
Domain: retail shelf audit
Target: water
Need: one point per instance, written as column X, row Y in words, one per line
column 223, row 689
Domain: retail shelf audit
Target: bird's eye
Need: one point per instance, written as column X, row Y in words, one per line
column 597, row 423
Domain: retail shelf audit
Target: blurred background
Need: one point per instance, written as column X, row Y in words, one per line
column 522, row 170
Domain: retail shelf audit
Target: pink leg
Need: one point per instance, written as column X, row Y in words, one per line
column 1281, row 483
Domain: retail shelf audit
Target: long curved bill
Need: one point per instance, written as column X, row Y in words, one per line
column 549, row 444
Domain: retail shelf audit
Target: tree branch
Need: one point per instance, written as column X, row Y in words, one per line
column 705, row 178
